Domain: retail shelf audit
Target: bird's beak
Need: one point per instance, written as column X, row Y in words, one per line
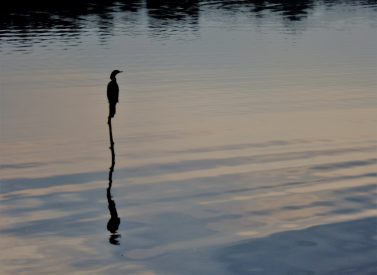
column 120, row 71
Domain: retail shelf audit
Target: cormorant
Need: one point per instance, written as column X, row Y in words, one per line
column 113, row 93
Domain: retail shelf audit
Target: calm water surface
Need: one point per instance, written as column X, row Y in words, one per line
column 245, row 138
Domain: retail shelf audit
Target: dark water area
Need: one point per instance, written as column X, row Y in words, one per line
column 26, row 23
column 243, row 139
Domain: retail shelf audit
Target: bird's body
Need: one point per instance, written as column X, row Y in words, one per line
column 113, row 93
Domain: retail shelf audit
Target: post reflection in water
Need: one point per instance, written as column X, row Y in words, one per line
column 114, row 221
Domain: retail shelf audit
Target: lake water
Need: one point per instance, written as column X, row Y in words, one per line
column 244, row 139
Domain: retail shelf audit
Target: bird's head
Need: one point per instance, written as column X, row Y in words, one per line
column 114, row 73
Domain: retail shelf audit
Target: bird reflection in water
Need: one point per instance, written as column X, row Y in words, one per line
column 114, row 221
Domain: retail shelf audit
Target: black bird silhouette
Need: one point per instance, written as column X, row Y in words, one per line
column 113, row 93
column 114, row 221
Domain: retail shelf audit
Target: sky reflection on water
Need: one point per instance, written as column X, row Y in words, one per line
column 245, row 137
